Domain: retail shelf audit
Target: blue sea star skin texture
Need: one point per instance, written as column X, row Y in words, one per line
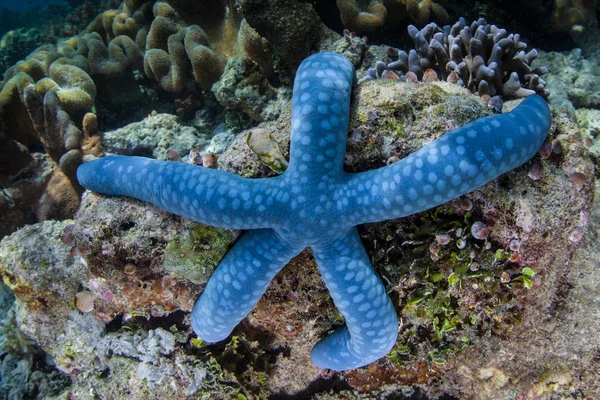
column 314, row 203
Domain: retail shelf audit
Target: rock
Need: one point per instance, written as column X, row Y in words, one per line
column 153, row 137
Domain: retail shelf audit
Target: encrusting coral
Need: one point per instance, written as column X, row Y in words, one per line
column 368, row 15
column 322, row 205
column 481, row 57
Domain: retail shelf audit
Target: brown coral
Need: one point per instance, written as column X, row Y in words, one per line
column 177, row 54
column 360, row 16
column 364, row 15
column 571, row 13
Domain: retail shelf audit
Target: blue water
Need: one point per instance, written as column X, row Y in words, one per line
column 14, row 5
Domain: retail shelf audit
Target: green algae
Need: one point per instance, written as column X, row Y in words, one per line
column 194, row 256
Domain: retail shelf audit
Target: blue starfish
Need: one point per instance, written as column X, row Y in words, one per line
column 315, row 204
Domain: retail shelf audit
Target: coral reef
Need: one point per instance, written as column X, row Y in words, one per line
column 322, row 87
column 367, row 18
column 482, row 57
column 268, row 353
column 25, row 371
column 16, row 45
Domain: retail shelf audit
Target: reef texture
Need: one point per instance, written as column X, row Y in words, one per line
column 481, row 57
column 572, row 79
column 154, row 137
column 467, row 304
column 124, row 61
column 321, row 191
column 368, row 15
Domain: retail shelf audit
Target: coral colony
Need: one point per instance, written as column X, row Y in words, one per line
column 475, row 56
column 315, row 204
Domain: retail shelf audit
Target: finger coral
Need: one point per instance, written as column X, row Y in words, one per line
column 482, row 57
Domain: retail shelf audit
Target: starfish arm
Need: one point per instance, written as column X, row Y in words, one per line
column 238, row 283
column 357, row 291
column 457, row 163
column 213, row 197
column 320, row 110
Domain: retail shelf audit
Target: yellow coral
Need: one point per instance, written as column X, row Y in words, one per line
column 77, row 90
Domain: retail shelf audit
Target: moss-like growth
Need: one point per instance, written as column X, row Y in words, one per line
column 194, row 257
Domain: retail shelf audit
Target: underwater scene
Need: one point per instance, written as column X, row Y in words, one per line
column 299, row 199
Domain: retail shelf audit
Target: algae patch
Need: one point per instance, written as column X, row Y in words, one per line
column 194, row 256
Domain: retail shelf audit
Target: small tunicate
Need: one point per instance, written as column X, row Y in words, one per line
column 434, row 247
column 210, row 161
column 576, row 236
column 412, row 77
column 67, row 237
column 578, row 180
column 475, row 266
column 480, row 231
column 535, row 172
column 173, row 155
column 514, row 245
column 195, row 157
column 392, row 160
column 546, row 150
column 466, row 204
column 129, row 269
column 442, row 239
column 461, row 243
column 505, row 277
column 430, row 75
column 85, row 301
column 556, row 147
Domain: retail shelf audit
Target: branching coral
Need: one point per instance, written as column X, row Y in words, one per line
column 482, row 57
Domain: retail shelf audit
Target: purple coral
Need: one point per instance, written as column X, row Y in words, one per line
column 482, row 57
